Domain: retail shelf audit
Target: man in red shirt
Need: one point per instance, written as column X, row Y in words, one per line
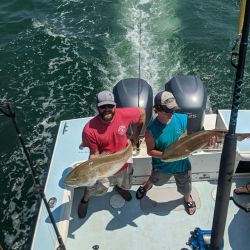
column 107, row 132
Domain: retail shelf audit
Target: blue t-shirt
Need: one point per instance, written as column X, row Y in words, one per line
column 164, row 135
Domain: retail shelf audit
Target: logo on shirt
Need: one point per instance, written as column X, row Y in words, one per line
column 121, row 130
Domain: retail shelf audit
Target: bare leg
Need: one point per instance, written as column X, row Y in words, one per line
column 188, row 198
column 148, row 185
column 83, row 205
column 243, row 189
column 142, row 190
column 86, row 196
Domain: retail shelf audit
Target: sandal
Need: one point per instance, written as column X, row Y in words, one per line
column 243, row 189
column 188, row 205
column 141, row 192
column 125, row 194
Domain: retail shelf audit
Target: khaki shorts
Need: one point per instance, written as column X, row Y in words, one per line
column 123, row 180
column 183, row 180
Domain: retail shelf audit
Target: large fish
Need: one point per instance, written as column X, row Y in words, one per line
column 182, row 148
column 106, row 165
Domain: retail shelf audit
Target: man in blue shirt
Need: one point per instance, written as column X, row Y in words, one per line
column 164, row 130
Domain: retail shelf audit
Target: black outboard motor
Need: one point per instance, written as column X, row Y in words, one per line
column 191, row 95
column 135, row 92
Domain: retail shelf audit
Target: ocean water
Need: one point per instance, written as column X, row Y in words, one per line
column 55, row 56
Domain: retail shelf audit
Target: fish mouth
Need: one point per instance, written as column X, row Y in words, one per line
column 71, row 185
column 70, row 182
column 175, row 159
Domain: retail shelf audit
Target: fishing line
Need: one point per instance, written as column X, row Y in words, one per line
column 7, row 110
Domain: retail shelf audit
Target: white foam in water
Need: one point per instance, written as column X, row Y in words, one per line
column 42, row 115
column 121, row 71
column 144, row 1
column 55, row 63
column 19, row 213
column 38, row 24
column 153, row 66
column 65, row 45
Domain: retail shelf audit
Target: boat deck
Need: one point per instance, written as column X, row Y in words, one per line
column 159, row 220
column 156, row 226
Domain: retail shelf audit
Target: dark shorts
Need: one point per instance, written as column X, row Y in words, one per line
column 183, row 180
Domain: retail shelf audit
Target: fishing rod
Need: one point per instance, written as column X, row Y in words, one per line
column 234, row 52
column 6, row 109
column 229, row 148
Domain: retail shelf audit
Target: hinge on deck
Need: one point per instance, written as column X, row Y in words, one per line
column 65, row 127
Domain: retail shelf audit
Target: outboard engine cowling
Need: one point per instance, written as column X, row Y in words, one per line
column 191, row 95
column 135, row 92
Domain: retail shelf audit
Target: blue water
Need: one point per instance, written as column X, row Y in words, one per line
column 56, row 55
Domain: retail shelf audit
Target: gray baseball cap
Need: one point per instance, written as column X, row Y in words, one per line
column 105, row 97
column 165, row 98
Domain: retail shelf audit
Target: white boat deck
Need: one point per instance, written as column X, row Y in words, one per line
column 145, row 224
column 131, row 228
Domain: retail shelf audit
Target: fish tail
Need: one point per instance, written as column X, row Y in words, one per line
column 241, row 137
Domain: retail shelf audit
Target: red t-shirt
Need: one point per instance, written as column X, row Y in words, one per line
column 110, row 137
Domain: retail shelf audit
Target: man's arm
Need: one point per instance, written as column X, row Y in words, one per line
column 88, row 140
column 93, row 154
column 183, row 135
column 151, row 146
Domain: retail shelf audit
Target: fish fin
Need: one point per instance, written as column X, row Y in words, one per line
column 130, row 160
column 105, row 182
column 196, row 151
column 75, row 164
column 173, row 160
column 241, row 137
column 105, row 153
column 90, row 183
column 205, row 146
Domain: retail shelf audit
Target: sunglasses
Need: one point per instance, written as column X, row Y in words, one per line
column 161, row 108
column 167, row 110
column 107, row 106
